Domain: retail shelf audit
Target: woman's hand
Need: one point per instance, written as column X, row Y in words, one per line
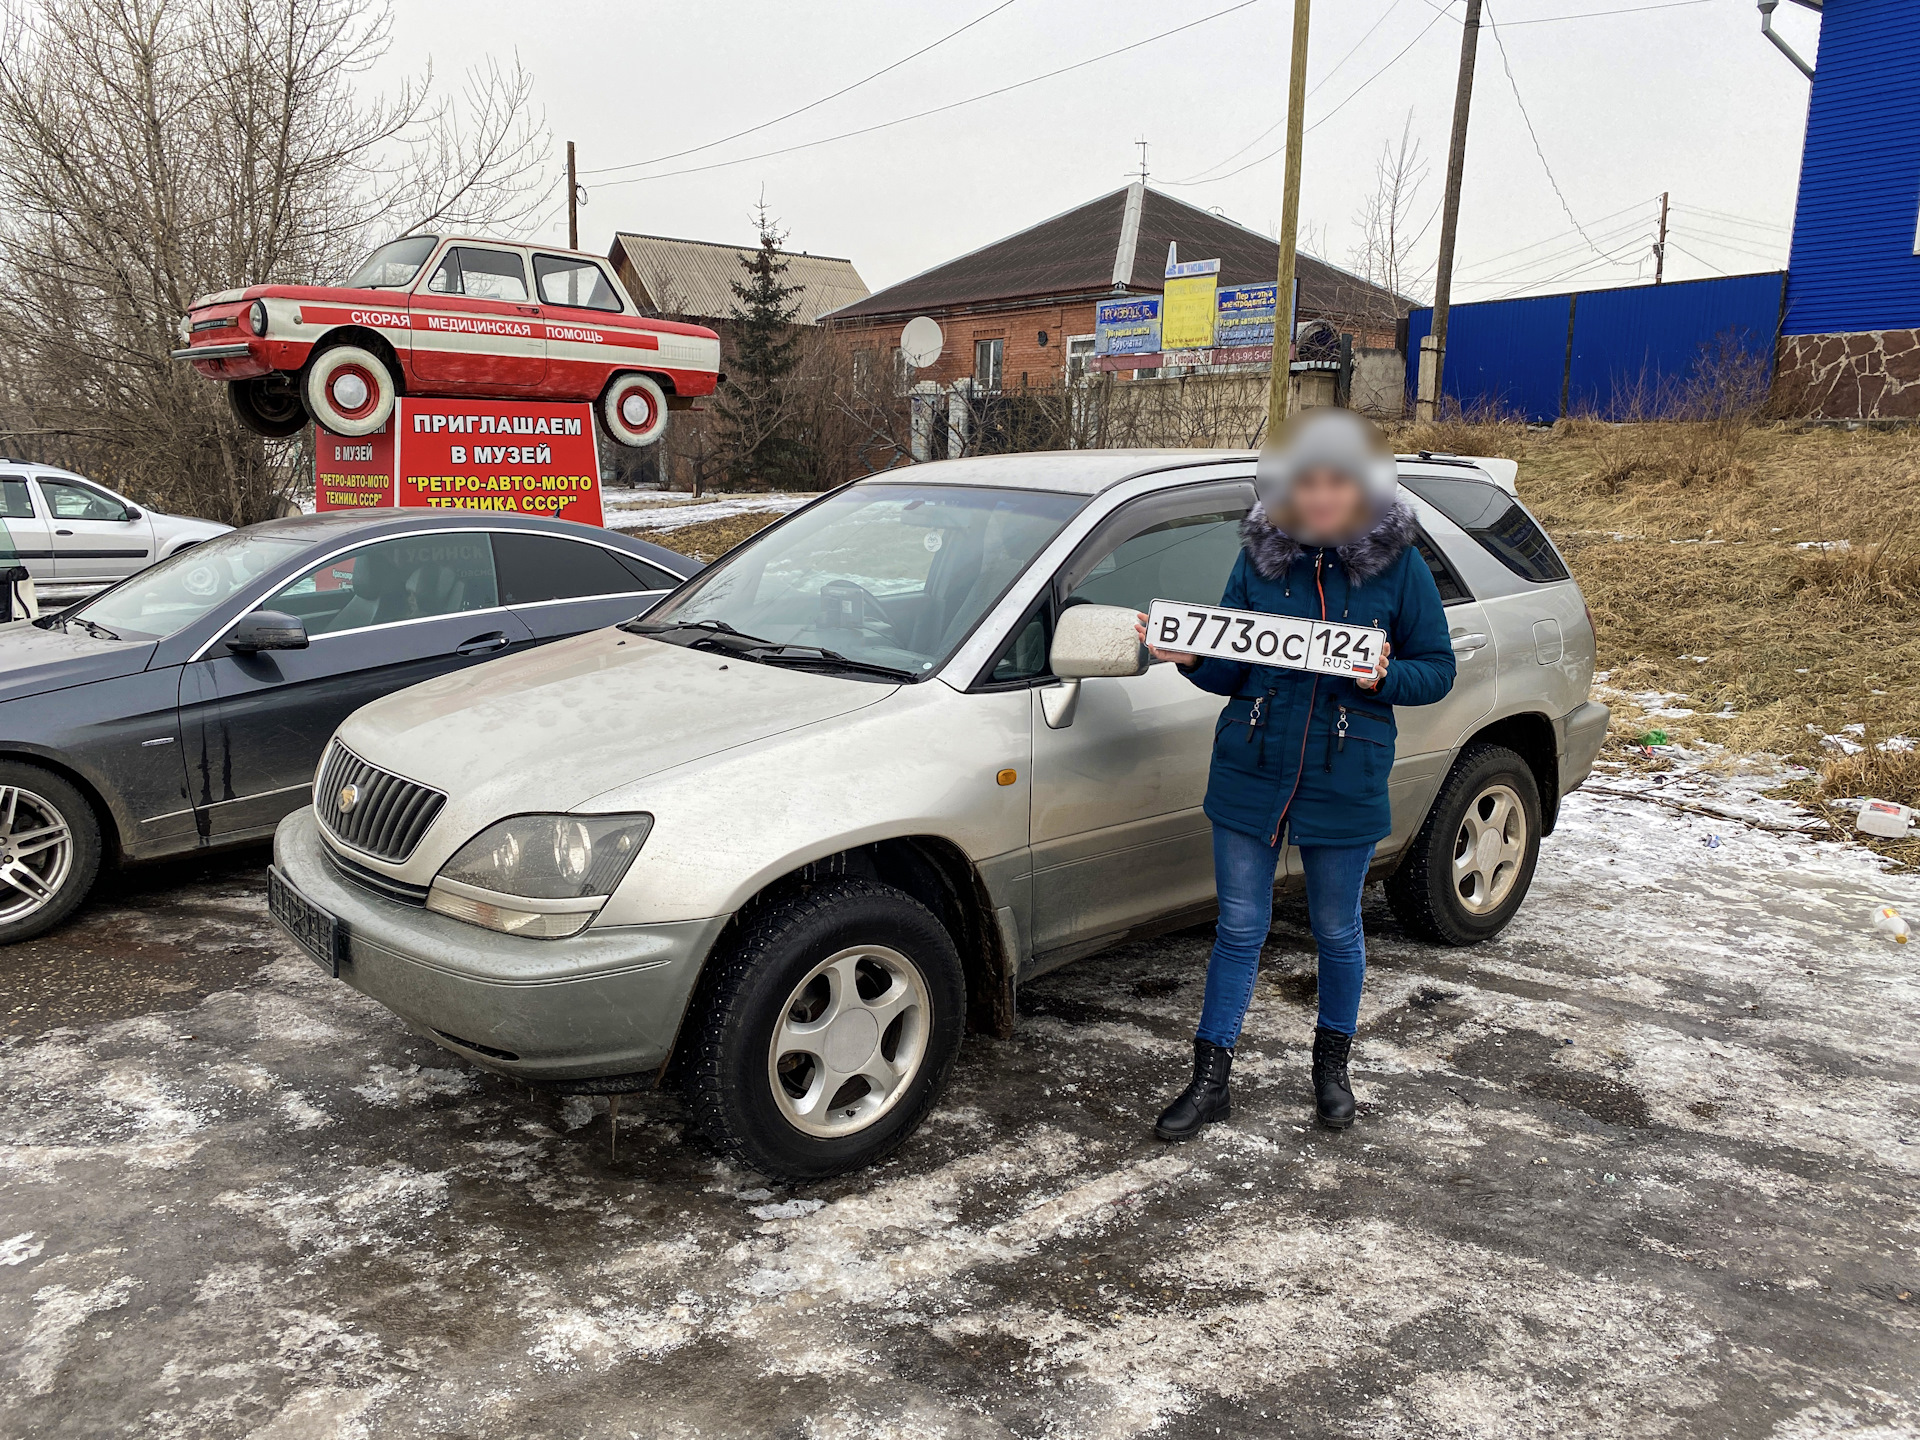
column 1178, row 657
column 1380, row 672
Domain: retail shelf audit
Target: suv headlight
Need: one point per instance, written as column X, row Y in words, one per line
column 543, row 876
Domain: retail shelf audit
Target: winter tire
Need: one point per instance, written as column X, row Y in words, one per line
column 826, row 1031
column 349, row 390
column 633, row 409
column 268, row 405
column 1469, row 868
column 49, row 850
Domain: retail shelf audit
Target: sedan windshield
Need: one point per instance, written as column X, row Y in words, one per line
column 393, row 265
column 882, row 579
column 166, row 598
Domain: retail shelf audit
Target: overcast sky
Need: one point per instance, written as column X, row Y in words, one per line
column 1686, row 97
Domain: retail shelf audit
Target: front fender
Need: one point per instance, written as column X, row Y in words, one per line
column 926, row 761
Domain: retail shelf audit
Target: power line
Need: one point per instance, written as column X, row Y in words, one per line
column 1442, row 15
column 1507, row 65
column 1596, row 14
column 1555, row 258
column 1196, row 177
column 1228, row 175
column 937, row 109
column 811, row 104
column 1603, row 263
column 1551, row 239
column 1736, row 219
column 1697, row 260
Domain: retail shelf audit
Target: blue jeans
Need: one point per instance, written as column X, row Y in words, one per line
column 1243, row 869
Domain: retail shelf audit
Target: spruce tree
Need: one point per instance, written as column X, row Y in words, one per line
column 763, row 435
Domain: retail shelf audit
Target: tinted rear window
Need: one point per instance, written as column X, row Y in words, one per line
column 1452, row 588
column 1495, row 520
column 534, row 568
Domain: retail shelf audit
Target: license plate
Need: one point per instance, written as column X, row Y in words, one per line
column 320, row 934
column 1322, row 647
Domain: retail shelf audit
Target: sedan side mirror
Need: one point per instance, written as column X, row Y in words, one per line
column 132, row 514
column 1092, row 640
column 267, row 630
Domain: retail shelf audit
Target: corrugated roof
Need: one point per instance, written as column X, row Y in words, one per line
column 694, row 277
column 1093, row 249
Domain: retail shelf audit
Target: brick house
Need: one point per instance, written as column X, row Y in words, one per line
column 1019, row 311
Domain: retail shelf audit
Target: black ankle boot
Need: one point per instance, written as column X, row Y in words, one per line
column 1332, row 1091
column 1205, row 1099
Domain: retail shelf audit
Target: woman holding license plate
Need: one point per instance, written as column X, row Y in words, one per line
column 1302, row 756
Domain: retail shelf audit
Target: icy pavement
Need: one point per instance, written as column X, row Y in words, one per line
column 1644, row 1166
column 655, row 510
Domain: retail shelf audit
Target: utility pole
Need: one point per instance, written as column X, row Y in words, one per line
column 1278, row 385
column 573, row 202
column 1660, row 250
column 1433, row 349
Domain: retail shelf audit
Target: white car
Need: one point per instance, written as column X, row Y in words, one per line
column 72, row 533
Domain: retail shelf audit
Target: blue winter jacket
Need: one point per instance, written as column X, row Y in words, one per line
column 1311, row 754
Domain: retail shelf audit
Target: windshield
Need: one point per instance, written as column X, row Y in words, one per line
column 394, row 264
column 883, row 575
column 166, row 598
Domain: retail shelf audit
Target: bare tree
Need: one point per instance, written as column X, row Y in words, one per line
column 1391, row 232
column 155, row 150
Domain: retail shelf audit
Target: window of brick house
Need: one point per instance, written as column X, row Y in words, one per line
column 863, row 367
column 1079, row 356
column 989, row 358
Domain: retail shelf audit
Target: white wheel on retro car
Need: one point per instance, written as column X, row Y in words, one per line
column 634, row 410
column 349, row 390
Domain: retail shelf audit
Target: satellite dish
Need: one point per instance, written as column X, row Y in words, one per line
column 921, row 342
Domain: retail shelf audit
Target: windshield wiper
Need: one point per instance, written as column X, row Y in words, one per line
column 99, row 632
column 643, row 626
column 827, row 659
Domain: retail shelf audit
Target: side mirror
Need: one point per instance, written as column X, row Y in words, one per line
column 1092, row 640
column 132, row 514
column 267, row 630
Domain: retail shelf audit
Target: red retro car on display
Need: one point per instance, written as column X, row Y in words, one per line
column 433, row 315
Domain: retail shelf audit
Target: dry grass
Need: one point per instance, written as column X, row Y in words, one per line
column 710, row 539
column 1687, row 540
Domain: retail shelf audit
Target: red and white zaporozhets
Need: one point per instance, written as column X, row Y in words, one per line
column 448, row 316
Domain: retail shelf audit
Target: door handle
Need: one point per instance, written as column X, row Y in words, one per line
column 528, row 309
column 483, row 644
column 1467, row 644
column 63, row 532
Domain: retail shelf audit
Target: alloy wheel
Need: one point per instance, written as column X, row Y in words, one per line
column 1488, row 849
column 36, row 853
column 849, row 1041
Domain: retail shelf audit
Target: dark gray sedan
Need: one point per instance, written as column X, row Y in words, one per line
column 186, row 707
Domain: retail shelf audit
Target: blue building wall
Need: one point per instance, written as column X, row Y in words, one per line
column 1507, row 355
column 1634, row 346
column 1853, row 265
column 1618, row 353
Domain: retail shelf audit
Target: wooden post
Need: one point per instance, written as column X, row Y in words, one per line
column 1660, row 250
column 573, row 202
column 1278, row 384
column 1433, row 356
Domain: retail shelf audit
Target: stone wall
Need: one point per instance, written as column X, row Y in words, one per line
column 1872, row 375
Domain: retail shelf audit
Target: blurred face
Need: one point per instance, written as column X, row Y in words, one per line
column 1326, row 505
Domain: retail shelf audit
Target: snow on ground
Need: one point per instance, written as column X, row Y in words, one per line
column 651, row 510
column 1643, row 1165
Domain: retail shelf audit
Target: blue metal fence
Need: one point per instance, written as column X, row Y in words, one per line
column 1611, row 353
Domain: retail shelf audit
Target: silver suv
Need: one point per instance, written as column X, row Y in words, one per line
column 792, row 832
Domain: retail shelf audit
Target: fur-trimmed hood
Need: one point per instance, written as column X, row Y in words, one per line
column 1273, row 551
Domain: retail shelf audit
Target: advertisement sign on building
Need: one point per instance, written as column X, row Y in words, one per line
column 1187, row 310
column 1243, row 327
column 1127, row 327
column 517, row 456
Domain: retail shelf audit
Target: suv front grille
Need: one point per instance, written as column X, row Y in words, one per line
column 387, row 813
column 368, row 879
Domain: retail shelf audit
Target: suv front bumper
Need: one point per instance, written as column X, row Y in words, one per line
column 601, row 1003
